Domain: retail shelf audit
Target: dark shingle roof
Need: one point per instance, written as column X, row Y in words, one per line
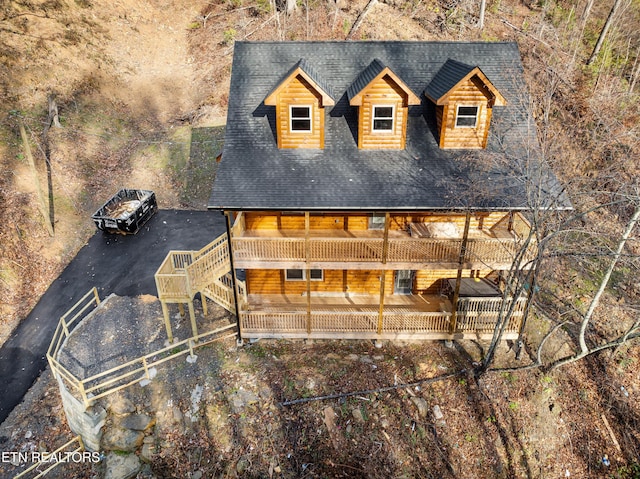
column 255, row 174
column 447, row 77
column 365, row 77
column 306, row 67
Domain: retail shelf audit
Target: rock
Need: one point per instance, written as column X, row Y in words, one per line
column 243, row 464
column 196, row 475
column 121, row 466
column 192, row 358
column 357, row 416
column 137, row 422
column 349, row 428
column 384, row 423
column 120, row 405
column 118, row 439
column 352, row 357
column 379, row 357
column 147, row 452
column 421, row 404
column 437, row 413
column 366, row 360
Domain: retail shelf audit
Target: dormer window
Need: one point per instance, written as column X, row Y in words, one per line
column 383, row 101
column 464, row 99
column 300, row 119
column 466, row 116
column 300, row 98
column 383, row 119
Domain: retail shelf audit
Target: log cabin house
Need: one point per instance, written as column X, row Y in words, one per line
column 344, row 180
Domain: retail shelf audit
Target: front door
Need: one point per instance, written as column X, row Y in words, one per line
column 403, row 282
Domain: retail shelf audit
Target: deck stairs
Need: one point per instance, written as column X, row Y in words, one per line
column 183, row 274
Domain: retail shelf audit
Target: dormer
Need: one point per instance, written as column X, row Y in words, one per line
column 382, row 99
column 464, row 98
column 300, row 99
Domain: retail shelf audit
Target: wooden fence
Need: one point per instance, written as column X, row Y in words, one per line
column 124, row 375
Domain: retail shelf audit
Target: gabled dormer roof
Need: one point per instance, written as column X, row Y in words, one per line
column 304, row 69
column 373, row 72
column 452, row 74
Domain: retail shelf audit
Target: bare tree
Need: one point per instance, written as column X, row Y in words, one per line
column 605, row 29
column 483, row 7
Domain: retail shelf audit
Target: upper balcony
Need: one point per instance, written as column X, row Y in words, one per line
column 373, row 249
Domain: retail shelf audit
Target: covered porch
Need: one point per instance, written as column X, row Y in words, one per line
column 361, row 316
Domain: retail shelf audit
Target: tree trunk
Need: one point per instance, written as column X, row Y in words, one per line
column 41, row 198
column 605, row 281
column 604, row 31
column 360, row 19
column 483, row 6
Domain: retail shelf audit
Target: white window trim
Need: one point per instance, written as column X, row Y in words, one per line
column 310, row 130
column 304, row 275
column 477, row 115
column 374, row 118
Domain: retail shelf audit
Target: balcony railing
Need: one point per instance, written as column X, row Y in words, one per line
column 479, row 251
column 475, row 316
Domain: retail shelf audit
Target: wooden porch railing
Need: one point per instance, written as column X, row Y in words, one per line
column 475, row 315
column 427, row 250
column 486, row 251
column 481, row 314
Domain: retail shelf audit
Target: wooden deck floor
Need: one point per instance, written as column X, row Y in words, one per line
column 354, row 302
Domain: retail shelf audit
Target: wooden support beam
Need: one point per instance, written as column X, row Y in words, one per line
column 383, row 277
column 167, row 322
column 203, row 299
column 385, row 242
column 192, row 316
column 461, row 261
column 234, row 280
column 307, row 255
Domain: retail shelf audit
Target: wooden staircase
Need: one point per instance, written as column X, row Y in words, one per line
column 183, row 274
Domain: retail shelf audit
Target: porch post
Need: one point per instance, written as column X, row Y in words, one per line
column 461, row 258
column 167, row 322
column 307, row 253
column 383, row 274
column 234, row 286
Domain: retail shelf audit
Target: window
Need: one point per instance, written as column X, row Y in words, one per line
column 376, row 221
column 383, row 118
column 300, row 118
column 300, row 275
column 467, row 116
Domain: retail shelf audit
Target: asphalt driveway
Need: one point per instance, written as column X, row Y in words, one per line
column 118, row 264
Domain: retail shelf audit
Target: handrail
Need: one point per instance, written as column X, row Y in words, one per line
column 146, row 362
column 54, row 464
